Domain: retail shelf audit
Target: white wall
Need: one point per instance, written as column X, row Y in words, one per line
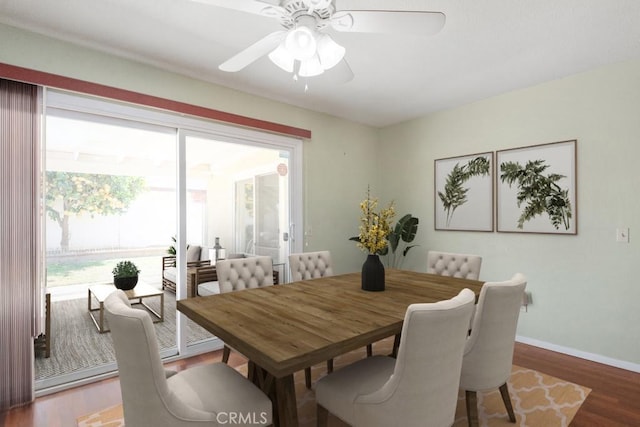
column 138, row 227
column 585, row 288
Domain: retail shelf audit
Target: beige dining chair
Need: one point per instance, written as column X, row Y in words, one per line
column 449, row 264
column 205, row 279
column 456, row 265
column 488, row 354
column 152, row 396
column 419, row 387
column 243, row 273
column 312, row 265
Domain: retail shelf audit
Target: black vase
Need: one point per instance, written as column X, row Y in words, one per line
column 125, row 283
column 373, row 274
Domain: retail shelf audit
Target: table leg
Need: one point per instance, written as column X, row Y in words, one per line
column 102, row 330
column 159, row 317
column 162, row 307
column 285, row 395
column 99, row 322
column 282, row 393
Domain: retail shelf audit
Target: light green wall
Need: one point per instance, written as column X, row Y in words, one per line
column 585, row 288
column 585, row 292
column 338, row 160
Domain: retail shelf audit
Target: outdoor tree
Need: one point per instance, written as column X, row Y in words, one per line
column 87, row 194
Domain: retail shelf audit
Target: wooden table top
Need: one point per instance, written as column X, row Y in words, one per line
column 289, row 327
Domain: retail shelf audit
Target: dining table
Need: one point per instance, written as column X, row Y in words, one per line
column 287, row 328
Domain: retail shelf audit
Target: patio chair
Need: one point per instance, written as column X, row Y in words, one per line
column 196, row 257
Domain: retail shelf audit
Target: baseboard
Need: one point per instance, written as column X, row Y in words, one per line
column 93, row 374
column 75, row 379
column 622, row 364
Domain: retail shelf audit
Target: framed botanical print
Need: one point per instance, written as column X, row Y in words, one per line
column 464, row 193
column 536, row 189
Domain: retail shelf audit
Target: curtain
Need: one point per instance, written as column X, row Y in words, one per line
column 19, row 237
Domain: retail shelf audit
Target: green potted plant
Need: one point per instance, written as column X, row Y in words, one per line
column 405, row 231
column 125, row 275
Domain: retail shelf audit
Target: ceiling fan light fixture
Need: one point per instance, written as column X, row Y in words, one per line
column 282, row 58
column 301, row 43
column 306, row 52
column 311, row 67
column 329, row 52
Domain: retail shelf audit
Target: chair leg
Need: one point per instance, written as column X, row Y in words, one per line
column 307, row 373
column 251, row 372
column 307, row 377
column 472, row 408
column 226, row 351
column 322, row 416
column 504, row 392
column 396, row 345
column 369, row 350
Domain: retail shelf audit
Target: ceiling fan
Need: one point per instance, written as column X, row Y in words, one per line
column 304, row 46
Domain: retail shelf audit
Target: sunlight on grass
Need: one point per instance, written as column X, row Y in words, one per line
column 77, row 271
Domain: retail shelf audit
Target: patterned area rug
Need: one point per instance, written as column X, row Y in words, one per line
column 538, row 400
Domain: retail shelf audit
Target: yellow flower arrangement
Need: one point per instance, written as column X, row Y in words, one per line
column 374, row 226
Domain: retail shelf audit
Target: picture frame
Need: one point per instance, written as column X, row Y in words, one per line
column 463, row 192
column 546, row 201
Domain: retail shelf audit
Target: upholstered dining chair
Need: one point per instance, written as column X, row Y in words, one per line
column 205, row 279
column 455, row 265
column 152, row 396
column 449, row 264
column 488, row 354
column 312, row 265
column 419, row 387
column 243, row 273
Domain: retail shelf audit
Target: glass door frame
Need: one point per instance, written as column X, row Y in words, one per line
column 190, row 125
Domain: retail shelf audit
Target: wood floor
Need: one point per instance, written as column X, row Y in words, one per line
column 614, row 400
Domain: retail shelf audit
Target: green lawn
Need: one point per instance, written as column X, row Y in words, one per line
column 73, row 271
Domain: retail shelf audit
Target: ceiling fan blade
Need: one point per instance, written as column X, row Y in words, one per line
column 389, row 21
column 251, row 6
column 399, row 5
column 253, row 52
column 342, row 72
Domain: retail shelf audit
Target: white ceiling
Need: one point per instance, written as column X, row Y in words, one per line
column 487, row 47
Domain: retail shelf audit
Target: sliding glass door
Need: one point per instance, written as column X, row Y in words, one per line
column 109, row 197
column 262, row 215
column 245, row 197
column 129, row 183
